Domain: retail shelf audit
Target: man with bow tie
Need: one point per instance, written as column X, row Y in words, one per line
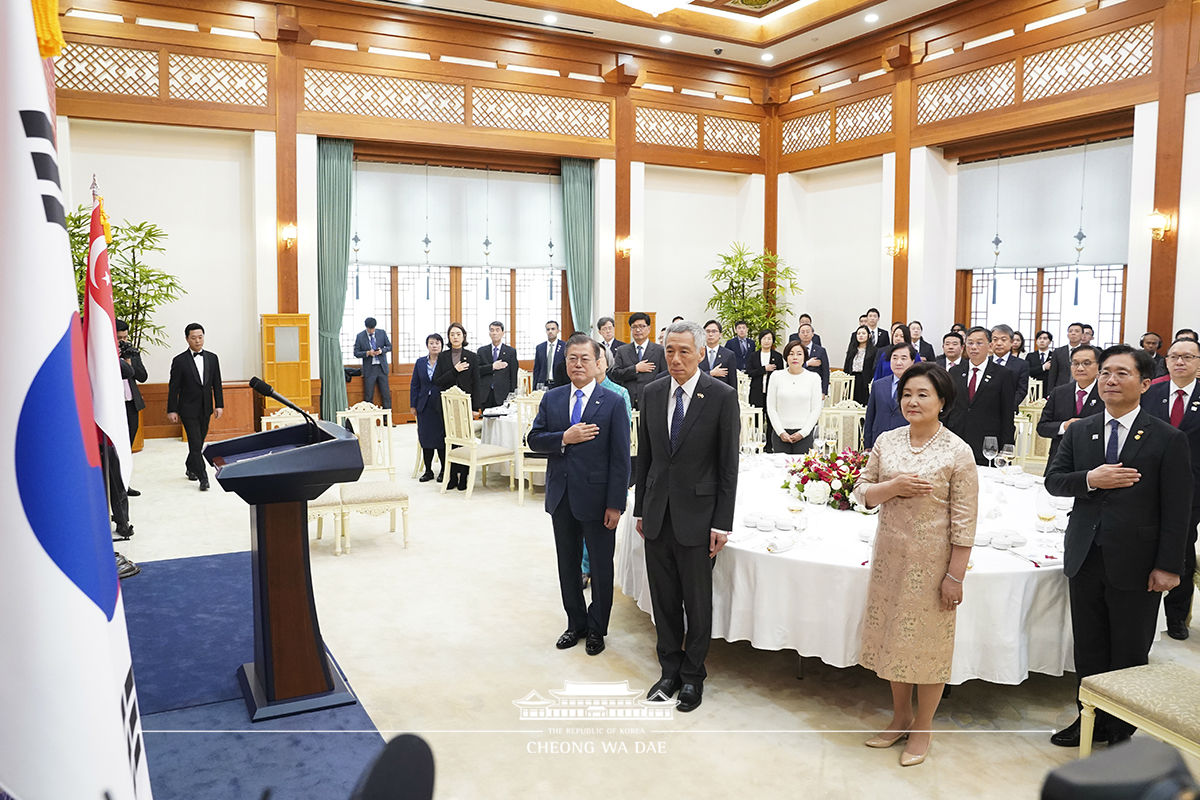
column 1072, row 401
column 193, row 395
column 372, row 346
column 1177, row 402
column 1130, row 475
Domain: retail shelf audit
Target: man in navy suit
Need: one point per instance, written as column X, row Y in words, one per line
column 1002, row 337
column 805, row 319
column 883, row 408
column 607, row 328
column 1178, row 402
column 639, row 362
column 1072, row 401
column 740, row 345
column 497, row 369
column 549, row 359
column 718, row 361
column 372, row 346
column 815, row 358
column 584, row 431
column 1059, row 370
column 983, row 405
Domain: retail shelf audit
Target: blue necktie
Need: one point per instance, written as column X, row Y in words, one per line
column 677, row 419
column 577, row 411
column 639, row 352
column 1112, row 453
column 495, row 354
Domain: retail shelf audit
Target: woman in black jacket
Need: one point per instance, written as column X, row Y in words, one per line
column 759, row 366
column 860, row 362
column 457, row 366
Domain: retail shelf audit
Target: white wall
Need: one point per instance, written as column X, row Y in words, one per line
column 306, row 243
column 1141, row 203
column 198, row 185
column 933, row 207
column 831, row 229
column 1039, row 207
column 1187, row 268
column 689, row 217
column 604, row 266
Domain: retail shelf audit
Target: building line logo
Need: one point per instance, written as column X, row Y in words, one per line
column 595, row 701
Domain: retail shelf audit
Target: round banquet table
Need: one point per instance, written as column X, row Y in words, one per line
column 501, row 426
column 811, row 598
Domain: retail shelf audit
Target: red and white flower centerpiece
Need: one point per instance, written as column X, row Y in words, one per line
column 827, row 480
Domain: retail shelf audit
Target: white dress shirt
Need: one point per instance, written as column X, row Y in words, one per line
column 1125, row 423
column 1087, row 391
column 1187, row 394
column 587, row 395
column 688, row 388
column 198, row 360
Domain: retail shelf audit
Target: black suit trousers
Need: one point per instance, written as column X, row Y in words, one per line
column 197, row 429
column 131, row 417
column 118, row 500
column 1179, row 600
column 569, row 536
column 376, row 374
column 680, row 588
column 1113, row 628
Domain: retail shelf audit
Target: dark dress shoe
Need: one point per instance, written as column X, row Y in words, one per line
column 462, row 484
column 663, row 690
column 123, row 533
column 1069, row 736
column 133, row 493
column 428, row 476
column 595, row 644
column 689, row 697
column 204, row 484
column 191, row 476
column 440, row 477
column 1177, row 629
column 569, row 639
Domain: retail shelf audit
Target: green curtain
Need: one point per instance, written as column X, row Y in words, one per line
column 579, row 231
column 334, row 164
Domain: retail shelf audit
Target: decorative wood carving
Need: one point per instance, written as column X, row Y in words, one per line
column 1113, row 57
column 727, row 135
column 967, row 93
column 382, row 96
column 662, row 126
column 806, row 133
column 869, row 117
column 540, row 113
column 217, row 80
column 113, row 70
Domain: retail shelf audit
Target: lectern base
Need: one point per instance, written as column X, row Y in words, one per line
column 261, row 708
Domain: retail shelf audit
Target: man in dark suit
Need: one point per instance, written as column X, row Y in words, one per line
column 1039, row 359
column 193, row 395
column 607, row 327
column 1178, row 403
column 640, row 361
column 815, row 358
column 497, row 369
column 952, row 351
column 882, row 337
column 688, row 435
column 983, row 405
column 924, row 348
column 1002, row 336
column 1151, row 342
column 883, row 407
column 549, row 360
column 1130, row 475
column 718, row 361
column 584, row 431
column 133, row 395
column 1072, row 401
column 805, row 319
column 741, row 345
column 372, row 346
column 1059, row 371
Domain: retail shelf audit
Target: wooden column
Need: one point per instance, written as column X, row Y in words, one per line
column 625, row 138
column 1171, row 57
column 286, row 264
column 902, row 124
column 770, row 148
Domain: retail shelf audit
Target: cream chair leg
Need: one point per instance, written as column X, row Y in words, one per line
column 320, row 522
column 511, row 474
column 404, row 520
column 392, row 516
column 447, row 468
column 472, row 473
column 338, row 534
column 1087, row 724
column 484, row 476
column 345, row 531
column 420, row 462
column 521, row 489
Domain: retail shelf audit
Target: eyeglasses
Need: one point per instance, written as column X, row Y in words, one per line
column 1082, row 363
column 1187, row 358
column 1120, row 374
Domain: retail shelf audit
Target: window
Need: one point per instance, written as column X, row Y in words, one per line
column 486, row 295
column 368, row 294
column 424, row 308
column 538, row 299
column 1051, row 298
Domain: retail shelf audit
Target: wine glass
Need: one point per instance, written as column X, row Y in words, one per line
column 818, row 444
column 1000, row 460
column 1045, row 512
column 990, row 448
column 1009, row 452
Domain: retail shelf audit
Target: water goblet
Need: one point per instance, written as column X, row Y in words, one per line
column 990, row 448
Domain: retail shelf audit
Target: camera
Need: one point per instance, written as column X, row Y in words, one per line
column 127, row 350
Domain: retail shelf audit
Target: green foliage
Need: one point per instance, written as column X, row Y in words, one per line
column 139, row 290
column 738, row 289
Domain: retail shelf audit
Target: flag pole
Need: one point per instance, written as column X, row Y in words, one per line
column 103, row 438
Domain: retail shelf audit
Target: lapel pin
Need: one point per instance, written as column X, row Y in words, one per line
column 1095, row 436
column 700, row 395
column 1137, row 435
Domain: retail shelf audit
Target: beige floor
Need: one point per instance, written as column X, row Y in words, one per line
column 441, row 638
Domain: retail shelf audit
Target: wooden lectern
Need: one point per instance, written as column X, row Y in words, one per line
column 277, row 472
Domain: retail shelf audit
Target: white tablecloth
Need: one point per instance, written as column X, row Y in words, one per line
column 1014, row 618
column 502, row 429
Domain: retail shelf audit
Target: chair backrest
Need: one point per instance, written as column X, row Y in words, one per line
column 527, row 408
column 743, row 388
column 1036, row 389
column 524, row 381
column 841, row 388
column 633, row 432
column 842, row 424
column 281, row 418
column 456, row 415
column 373, row 427
column 1040, row 446
column 752, row 438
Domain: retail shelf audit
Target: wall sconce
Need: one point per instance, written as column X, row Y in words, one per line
column 288, row 234
column 893, row 245
column 624, row 246
column 1159, row 224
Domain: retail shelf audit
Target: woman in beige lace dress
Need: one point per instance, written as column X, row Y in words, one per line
column 925, row 478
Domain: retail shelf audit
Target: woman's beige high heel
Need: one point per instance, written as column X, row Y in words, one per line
column 881, row 741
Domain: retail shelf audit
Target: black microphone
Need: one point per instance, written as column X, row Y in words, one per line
column 266, row 390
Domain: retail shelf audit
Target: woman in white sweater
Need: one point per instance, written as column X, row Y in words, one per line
column 794, row 403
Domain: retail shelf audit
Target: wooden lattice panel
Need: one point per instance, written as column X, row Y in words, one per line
column 672, row 128
column 869, row 117
column 540, row 113
column 968, row 93
column 1113, row 57
column 726, row 135
column 113, row 70
column 382, row 96
column 806, row 133
column 217, row 80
